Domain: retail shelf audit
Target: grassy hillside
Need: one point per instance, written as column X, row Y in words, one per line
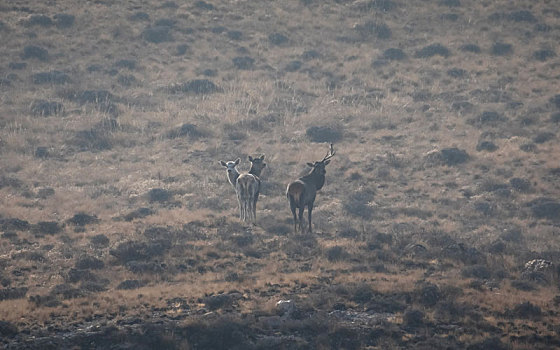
column 118, row 226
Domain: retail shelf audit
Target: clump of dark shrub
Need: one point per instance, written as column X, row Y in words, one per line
column 456, row 72
column 12, row 293
column 182, row 49
column 165, row 22
column 381, row 5
column 522, row 16
column 219, row 301
column 139, row 251
column 48, row 300
column 523, row 285
column 428, row 294
column 433, row 50
column 555, row 118
column 278, row 39
column 157, row 34
column 501, row 49
column 413, row 318
column 188, row 130
column 66, row 291
column 46, row 108
column 82, row 219
column 373, row 29
column 555, row 100
column 486, row 146
column 362, row 293
column 17, row 65
column 8, row 330
column 336, row 253
column 130, row 284
column 394, row 54
column 528, row 147
column 63, row 20
column 126, row 79
column 87, row 262
column 92, row 140
column 234, row 34
column 454, row 156
column 526, row 310
column 47, row 227
column 492, row 343
column 543, row 137
column 197, row 87
column 476, row 271
column 310, row 55
column 293, row 66
column 94, row 286
column 519, row 184
column 543, row 55
column 32, row 51
column 545, row 208
column 139, row 16
column 324, row 134
column 203, row 5
column 125, row 63
column 473, row 48
column 14, row 224
column 38, row 20
column 52, row 77
column 76, row 275
column 138, row 213
column 243, row 62
column 451, row 3
column 159, row 195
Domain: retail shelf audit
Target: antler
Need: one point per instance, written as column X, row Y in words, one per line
column 330, row 154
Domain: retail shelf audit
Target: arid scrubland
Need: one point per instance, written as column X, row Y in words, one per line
column 438, row 225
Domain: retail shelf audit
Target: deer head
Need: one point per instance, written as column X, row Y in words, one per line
column 320, row 165
column 257, row 165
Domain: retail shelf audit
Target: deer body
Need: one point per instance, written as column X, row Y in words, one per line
column 301, row 193
column 247, row 186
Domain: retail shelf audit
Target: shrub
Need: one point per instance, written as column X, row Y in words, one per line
column 433, row 50
column 324, row 134
column 501, row 49
column 157, row 34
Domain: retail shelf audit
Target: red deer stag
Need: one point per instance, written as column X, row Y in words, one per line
column 302, row 192
column 247, row 186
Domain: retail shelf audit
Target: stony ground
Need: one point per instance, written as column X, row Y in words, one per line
column 437, row 226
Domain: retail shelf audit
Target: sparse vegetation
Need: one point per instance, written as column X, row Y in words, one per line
column 437, row 226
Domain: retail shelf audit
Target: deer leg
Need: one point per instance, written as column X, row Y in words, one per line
column 293, row 208
column 309, row 210
column 301, row 218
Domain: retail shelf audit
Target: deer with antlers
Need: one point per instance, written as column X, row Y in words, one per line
column 302, row 192
column 247, row 186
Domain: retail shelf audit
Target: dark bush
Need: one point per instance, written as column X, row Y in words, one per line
column 413, row 318
column 159, row 195
column 243, row 62
column 433, row 50
column 471, row 48
column 13, row 293
column 525, row 286
column 501, row 49
column 293, row 66
column 219, row 301
column 555, row 100
column 82, row 219
column 545, row 208
column 139, row 16
column 310, row 55
column 32, row 51
column 46, row 108
column 139, row 251
column 14, row 224
column 47, row 227
column 451, row 3
column 519, row 184
column 128, row 64
column 456, row 73
column 198, row 87
column 17, row 65
column 92, row 140
column 182, row 49
column 454, row 156
column 374, row 29
column 7, row 329
column 88, row 262
column 357, row 203
column 486, row 146
column 394, row 54
column 234, row 34
column 157, row 34
column 203, row 5
column 138, row 213
column 544, row 137
column 543, row 55
column 362, row 293
column 428, row 294
column 278, row 39
column 77, row 275
column 492, row 343
column 52, row 77
column 188, row 130
column 526, row 310
column 476, row 271
column 63, row 20
column 38, row 20
column 165, row 22
column 324, row 134
column 130, row 284
column 522, row 16
column 381, row 5
column 336, row 253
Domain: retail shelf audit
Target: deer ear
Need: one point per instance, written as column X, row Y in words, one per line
column 223, row 163
column 262, row 157
column 250, row 159
column 310, row 165
column 327, row 161
column 237, row 161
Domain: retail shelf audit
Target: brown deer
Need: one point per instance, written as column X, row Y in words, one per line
column 301, row 193
column 247, row 186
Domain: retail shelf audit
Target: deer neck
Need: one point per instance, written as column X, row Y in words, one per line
column 232, row 177
column 255, row 170
column 315, row 178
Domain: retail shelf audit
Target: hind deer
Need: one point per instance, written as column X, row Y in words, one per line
column 247, row 186
column 302, row 192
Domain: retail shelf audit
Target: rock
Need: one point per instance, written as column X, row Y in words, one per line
column 8, row 329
